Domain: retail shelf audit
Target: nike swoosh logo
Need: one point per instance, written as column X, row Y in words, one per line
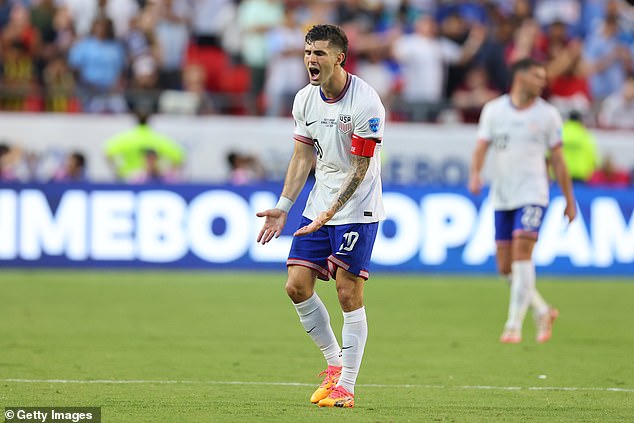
column 309, row 331
column 310, row 123
column 345, row 348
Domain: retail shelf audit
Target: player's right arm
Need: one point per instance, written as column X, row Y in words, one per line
column 477, row 162
column 479, row 154
column 298, row 169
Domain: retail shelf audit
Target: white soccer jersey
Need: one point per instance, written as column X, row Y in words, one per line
column 329, row 125
column 520, row 139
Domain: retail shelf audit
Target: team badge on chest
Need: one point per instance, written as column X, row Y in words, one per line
column 345, row 123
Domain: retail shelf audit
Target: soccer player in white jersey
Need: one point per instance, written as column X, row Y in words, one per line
column 340, row 118
column 521, row 128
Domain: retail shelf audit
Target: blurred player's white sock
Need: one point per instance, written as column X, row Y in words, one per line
column 538, row 304
column 353, row 337
column 522, row 292
column 316, row 321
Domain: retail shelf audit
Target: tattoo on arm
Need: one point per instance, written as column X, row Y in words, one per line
column 359, row 168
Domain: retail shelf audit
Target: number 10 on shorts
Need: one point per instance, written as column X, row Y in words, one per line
column 349, row 240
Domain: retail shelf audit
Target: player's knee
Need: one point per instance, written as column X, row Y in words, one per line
column 297, row 292
column 349, row 298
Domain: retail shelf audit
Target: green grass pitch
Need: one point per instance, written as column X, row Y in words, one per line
column 228, row 347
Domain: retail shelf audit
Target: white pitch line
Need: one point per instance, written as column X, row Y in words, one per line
column 367, row 385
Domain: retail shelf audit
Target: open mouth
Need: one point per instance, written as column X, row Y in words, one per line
column 314, row 73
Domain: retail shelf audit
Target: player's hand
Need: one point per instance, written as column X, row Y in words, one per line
column 273, row 224
column 475, row 184
column 320, row 221
column 571, row 211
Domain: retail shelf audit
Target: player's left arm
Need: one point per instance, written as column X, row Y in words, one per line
column 559, row 164
column 564, row 181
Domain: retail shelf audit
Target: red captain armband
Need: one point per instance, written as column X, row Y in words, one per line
column 362, row 146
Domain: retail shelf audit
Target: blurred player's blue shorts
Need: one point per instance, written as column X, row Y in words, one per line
column 524, row 221
column 345, row 246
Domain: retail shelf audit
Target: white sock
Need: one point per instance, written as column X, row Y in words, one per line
column 538, row 304
column 353, row 337
column 316, row 321
column 522, row 292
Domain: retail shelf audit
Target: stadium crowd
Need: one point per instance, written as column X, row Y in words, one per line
column 429, row 60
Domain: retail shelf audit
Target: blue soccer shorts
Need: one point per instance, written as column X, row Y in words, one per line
column 333, row 246
column 524, row 222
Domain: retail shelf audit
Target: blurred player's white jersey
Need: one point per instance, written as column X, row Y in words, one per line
column 329, row 125
column 520, row 139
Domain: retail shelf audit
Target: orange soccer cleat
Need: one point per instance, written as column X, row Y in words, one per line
column 545, row 325
column 339, row 397
column 331, row 377
column 511, row 336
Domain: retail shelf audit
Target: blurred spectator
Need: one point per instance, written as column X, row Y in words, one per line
column 193, row 99
column 567, row 12
column 617, row 111
column 143, row 90
column 9, row 157
column 129, row 153
column 65, row 34
column 492, row 53
column 19, row 29
column 286, row 73
column 607, row 58
column 211, row 20
column 422, row 57
column 72, row 170
column 455, row 27
column 470, row 97
column 20, row 47
column 528, row 41
column 85, row 12
column 139, row 41
column 151, row 171
column 567, row 83
column 82, row 13
column 16, row 165
column 522, row 10
column 99, row 62
column 374, row 68
column 59, row 86
column 42, row 16
column 579, row 148
column 255, row 19
column 173, row 18
column 5, row 11
column 610, row 176
column 354, row 11
column 18, row 81
column 244, row 169
column 121, row 12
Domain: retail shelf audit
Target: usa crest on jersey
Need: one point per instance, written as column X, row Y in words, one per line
column 345, row 123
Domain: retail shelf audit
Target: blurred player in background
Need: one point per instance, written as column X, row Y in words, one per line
column 522, row 128
column 341, row 117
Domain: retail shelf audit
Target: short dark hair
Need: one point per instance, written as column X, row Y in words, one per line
column 524, row 64
column 4, row 149
column 331, row 33
column 79, row 158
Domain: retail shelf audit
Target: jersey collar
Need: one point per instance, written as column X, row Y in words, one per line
column 341, row 94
